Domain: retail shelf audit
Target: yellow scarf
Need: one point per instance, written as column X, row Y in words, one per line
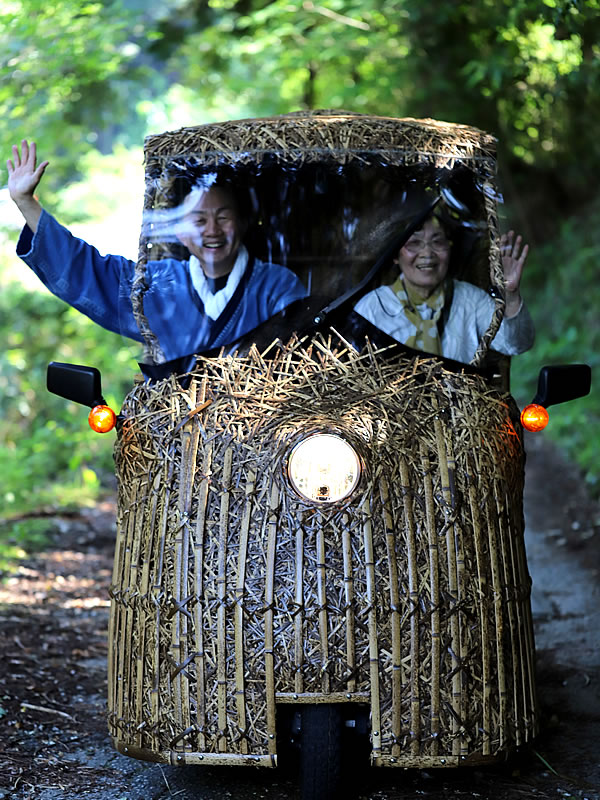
column 427, row 336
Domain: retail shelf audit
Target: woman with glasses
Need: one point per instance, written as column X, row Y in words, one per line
column 428, row 310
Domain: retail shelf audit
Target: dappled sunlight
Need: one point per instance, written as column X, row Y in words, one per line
column 73, row 569
column 63, row 578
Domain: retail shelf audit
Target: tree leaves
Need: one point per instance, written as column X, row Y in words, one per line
column 78, row 76
column 58, row 61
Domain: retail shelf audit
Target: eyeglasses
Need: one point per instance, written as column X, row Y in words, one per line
column 415, row 245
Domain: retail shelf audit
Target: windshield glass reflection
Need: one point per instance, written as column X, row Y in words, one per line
column 250, row 253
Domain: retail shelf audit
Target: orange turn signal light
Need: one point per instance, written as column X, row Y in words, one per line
column 102, row 419
column 534, row 417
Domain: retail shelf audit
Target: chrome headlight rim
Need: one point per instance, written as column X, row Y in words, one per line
column 349, row 440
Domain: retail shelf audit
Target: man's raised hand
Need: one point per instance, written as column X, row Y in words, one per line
column 24, row 176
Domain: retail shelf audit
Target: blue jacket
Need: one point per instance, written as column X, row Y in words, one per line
column 100, row 287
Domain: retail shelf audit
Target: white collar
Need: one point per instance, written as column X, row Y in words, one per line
column 215, row 303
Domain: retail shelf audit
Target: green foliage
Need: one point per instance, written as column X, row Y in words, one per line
column 563, row 293
column 48, row 454
column 112, row 192
column 526, row 71
column 71, row 78
column 278, row 56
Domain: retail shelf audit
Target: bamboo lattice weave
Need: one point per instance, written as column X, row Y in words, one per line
column 230, row 593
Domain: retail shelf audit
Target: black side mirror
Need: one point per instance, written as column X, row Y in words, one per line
column 74, row 382
column 562, row 383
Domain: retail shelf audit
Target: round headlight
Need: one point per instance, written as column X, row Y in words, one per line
column 324, row 468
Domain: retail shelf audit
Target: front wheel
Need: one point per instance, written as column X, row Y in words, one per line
column 321, row 752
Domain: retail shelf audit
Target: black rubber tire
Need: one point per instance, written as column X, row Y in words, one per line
column 321, row 752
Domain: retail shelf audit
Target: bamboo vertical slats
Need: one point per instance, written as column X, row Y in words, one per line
column 231, row 594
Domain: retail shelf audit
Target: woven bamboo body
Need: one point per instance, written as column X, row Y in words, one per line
column 231, row 595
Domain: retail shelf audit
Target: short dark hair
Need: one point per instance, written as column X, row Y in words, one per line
column 185, row 179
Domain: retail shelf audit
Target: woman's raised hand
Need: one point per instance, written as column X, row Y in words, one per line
column 513, row 253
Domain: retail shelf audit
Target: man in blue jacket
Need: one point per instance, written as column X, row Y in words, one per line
column 211, row 300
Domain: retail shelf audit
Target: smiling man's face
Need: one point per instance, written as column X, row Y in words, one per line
column 424, row 258
column 212, row 230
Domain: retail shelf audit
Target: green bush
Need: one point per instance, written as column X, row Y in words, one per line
column 48, row 453
column 563, row 293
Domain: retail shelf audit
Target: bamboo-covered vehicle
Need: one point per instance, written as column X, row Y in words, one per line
column 320, row 529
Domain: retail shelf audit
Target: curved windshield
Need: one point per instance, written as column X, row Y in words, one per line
column 247, row 254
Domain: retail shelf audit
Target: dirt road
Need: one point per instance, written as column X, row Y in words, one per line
column 53, row 619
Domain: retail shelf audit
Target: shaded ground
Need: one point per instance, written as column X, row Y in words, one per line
column 53, row 620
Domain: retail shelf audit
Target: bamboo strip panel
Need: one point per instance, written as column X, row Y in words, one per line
column 231, row 594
